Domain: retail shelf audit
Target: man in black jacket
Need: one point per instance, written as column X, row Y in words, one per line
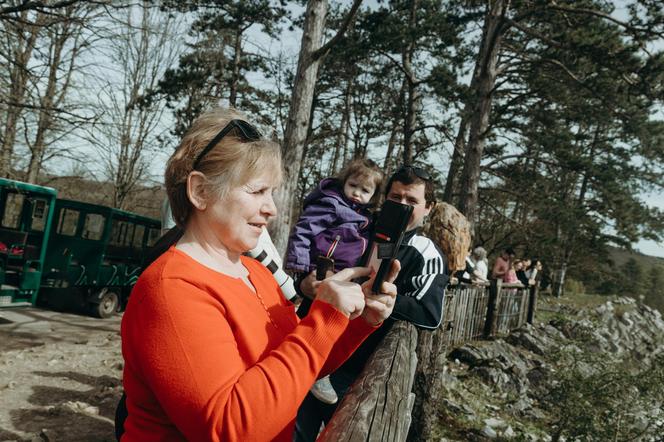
column 420, row 292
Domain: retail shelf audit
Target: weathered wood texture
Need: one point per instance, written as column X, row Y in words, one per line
column 378, row 405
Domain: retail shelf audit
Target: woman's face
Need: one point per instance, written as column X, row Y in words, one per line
column 239, row 218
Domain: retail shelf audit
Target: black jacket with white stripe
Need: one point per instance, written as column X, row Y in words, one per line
column 420, row 292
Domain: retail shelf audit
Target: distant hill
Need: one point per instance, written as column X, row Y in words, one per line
column 620, row 256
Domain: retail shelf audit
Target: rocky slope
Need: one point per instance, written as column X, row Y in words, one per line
column 589, row 374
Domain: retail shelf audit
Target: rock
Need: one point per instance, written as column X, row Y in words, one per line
column 80, row 407
column 529, row 342
column 47, row 435
column 492, row 376
column 452, row 407
column 489, row 432
column 508, row 433
column 495, row 423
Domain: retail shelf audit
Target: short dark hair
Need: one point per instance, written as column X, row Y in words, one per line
column 409, row 175
column 510, row 251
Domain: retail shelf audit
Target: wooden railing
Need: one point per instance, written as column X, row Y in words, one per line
column 379, row 405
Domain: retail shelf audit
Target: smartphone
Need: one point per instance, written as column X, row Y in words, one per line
column 388, row 234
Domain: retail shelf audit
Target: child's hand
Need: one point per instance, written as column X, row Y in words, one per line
column 309, row 284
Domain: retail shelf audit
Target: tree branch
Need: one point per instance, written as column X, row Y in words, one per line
column 323, row 50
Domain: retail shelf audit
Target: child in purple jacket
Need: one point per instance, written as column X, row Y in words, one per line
column 335, row 224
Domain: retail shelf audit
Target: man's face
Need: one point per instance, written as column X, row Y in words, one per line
column 412, row 195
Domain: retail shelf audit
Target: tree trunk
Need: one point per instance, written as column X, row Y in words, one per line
column 18, row 76
column 396, row 119
column 60, row 36
column 482, row 96
column 298, row 118
column 237, row 55
column 410, row 119
column 311, row 53
column 344, row 127
column 451, row 186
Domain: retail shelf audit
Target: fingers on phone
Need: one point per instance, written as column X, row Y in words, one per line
column 394, row 271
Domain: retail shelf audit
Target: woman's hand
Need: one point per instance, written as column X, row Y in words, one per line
column 338, row 290
column 378, row 307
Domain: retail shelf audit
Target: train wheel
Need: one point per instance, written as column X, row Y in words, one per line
column 108, row 304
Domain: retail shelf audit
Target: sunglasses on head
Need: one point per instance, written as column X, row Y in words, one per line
column 244, row 130
column 417, row 171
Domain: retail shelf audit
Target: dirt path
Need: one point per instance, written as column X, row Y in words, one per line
column 60, row 376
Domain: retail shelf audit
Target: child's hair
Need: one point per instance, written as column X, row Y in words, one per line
column 363, row 168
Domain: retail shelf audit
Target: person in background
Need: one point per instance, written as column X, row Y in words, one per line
column 481, row 272
column 502, row 264
column 212, row 351
column 520, row 268
column 534, row 271
column 420, row 292
column 334, row 224
column 476, row 269
column 510, row 276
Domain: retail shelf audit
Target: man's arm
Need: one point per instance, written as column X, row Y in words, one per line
column 420, row 294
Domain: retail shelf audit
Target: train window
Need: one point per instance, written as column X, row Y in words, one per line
column 118, row 232
column 138, row 236
column 68, row 222
column 153, row 236
column 129, row 235
column 39, row 212
column 13, row 208
column 93, row 228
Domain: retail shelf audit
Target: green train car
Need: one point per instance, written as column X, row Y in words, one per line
column 68, row 254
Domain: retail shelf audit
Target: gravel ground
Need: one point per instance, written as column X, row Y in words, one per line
column 60, row 376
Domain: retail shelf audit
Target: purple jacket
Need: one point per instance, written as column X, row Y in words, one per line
column 328, row 222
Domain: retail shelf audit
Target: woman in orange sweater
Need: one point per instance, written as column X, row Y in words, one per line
column 212, row 350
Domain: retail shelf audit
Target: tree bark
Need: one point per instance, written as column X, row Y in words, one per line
column 298, row 123
column 61, row 35
column 18, row 76
column 492, row 34
column 410, row 119
column 237, row 55
column 451, row 186
column 344, row 128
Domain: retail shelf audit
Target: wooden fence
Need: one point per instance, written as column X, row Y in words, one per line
column 379, row 405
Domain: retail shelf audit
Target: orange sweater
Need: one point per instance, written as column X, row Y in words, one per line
column 206, row 359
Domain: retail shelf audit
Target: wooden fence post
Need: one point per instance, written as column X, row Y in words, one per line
column 491, row 313
column 532, row 304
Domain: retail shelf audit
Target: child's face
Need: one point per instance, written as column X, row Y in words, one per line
column 359, row 189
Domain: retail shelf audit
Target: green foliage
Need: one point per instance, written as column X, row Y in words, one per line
column 597, row 399
column 217, row 64
column 574, row 287
column 575, row 100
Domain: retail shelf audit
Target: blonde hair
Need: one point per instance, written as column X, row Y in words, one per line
column 230, row 163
